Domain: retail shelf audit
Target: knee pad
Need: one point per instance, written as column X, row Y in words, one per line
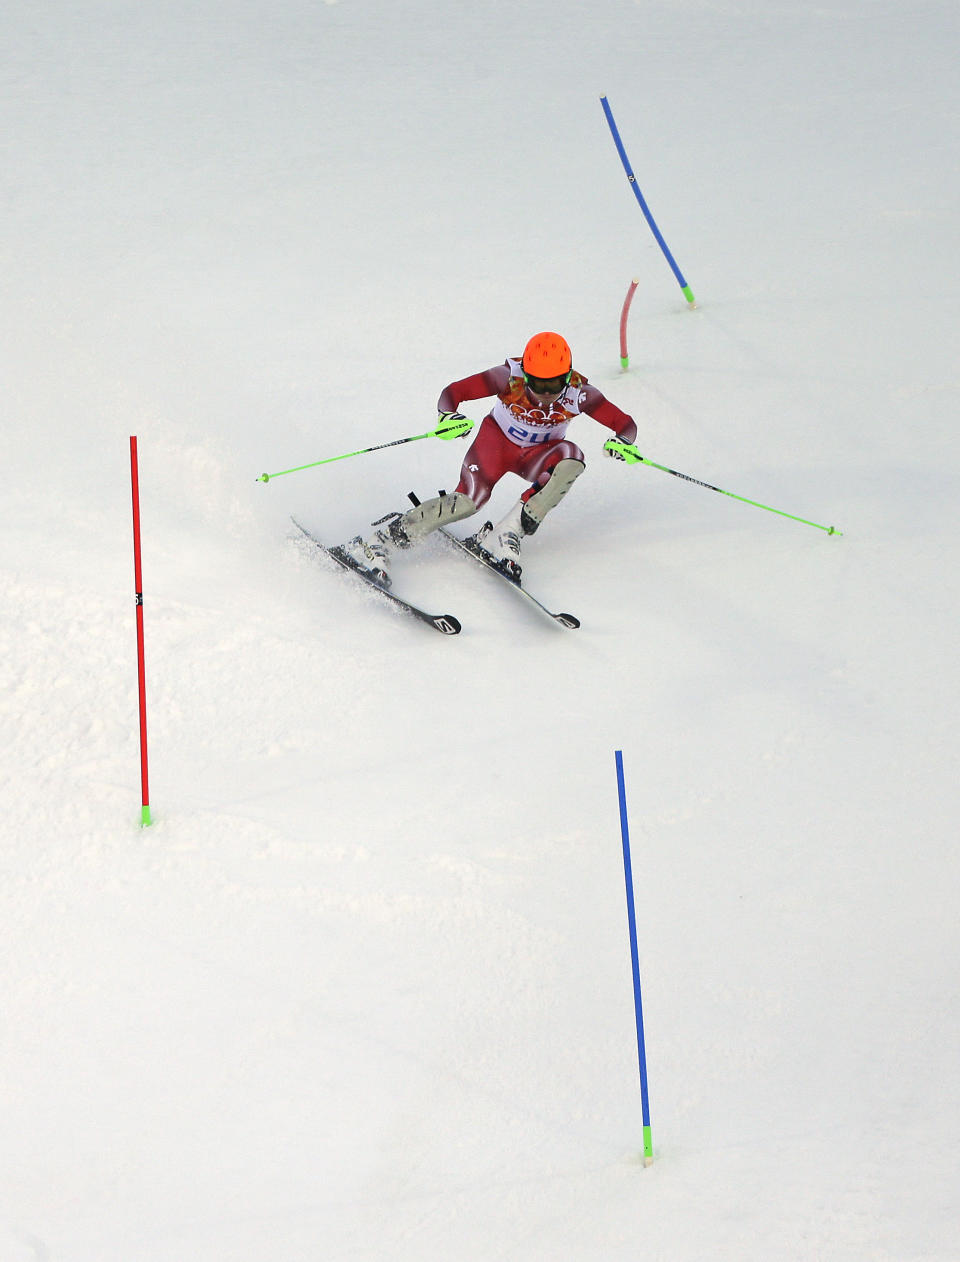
column 442, row 510
column 564, row 474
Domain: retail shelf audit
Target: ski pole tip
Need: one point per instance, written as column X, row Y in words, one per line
column 264, row 477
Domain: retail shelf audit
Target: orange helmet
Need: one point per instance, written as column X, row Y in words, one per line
column 546, row 355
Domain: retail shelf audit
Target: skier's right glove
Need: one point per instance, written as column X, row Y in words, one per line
column 453, row 425
column 619, row 450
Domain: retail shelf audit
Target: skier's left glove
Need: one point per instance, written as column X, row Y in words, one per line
column 617, row 449
column 453, row 425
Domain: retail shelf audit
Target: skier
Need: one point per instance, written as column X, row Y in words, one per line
column 537, row 396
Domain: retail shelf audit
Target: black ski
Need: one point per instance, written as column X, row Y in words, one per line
column 446, row 623
column 473, row 550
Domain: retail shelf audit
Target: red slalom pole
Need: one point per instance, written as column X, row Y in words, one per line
column 138, row 583
column 624, row 312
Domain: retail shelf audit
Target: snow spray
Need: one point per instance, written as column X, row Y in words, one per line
column 638, row 1003
column 687, row 292
column 141, row 673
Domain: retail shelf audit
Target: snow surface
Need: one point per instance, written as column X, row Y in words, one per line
column 363, row 989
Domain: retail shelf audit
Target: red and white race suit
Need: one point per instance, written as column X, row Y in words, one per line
column 520, row 434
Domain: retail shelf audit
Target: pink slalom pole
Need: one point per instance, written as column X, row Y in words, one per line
column 141, row 671
column 624, row 312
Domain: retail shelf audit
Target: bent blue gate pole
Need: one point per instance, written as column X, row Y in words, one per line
column 635, row 959
column 687, row 291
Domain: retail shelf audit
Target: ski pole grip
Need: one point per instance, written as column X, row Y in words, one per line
column 623, row 451
column 453, row 425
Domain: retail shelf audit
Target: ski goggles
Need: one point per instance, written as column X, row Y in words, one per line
column 547, row 385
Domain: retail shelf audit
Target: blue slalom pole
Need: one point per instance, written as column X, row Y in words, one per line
column 634, row 956
column 687, row 292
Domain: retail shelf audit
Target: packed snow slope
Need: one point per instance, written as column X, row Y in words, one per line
column 362, row 990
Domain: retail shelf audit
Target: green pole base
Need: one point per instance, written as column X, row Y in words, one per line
column 145, row 820
column 624, row 362
column 688, row 294
column 647, row 1146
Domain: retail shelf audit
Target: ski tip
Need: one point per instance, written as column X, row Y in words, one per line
column 448, row 624
column 567, row 620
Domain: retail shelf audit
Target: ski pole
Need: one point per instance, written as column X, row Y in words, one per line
column 629, row 453
column 687, row 291
column 449, row 428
